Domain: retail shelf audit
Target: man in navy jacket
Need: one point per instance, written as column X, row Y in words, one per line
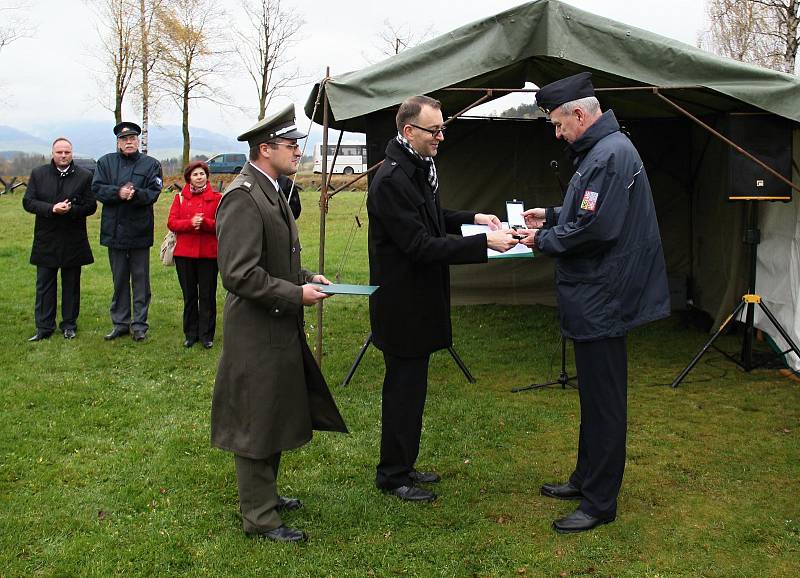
column 128, row 184
column 610, row 278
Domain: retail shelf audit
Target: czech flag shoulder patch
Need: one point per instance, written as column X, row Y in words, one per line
column 589, row 201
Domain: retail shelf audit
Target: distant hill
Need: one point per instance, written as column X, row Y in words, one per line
column 94, row 139
column 13, row 140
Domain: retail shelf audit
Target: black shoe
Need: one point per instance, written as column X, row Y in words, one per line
column 139, row 335
column 424, row 477
column 288, row 503
column 69, row 334
column 117, row 332
column 578, row 521
column 189, row 342
column 280, row 534
column 39, row 336
column 208, row 344
column 412, row 494
column 561, row 491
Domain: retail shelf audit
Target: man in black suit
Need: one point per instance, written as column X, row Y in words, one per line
column 60, row 195
column 409, row 254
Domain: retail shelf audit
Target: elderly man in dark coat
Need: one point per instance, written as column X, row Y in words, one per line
column 60, row 195
column 610, row 278
column 269, row 393
column 128, row 184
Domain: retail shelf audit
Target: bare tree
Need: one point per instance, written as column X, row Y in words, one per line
column 13, row 23
column 763, row 32
column 116, row 24
column 264, row 47
column 394, row 38
column 190, row 55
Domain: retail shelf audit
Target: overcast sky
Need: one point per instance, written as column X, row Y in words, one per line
column 52, row 75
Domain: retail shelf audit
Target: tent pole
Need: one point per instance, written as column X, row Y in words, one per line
column 727, row 141
column 323, row 209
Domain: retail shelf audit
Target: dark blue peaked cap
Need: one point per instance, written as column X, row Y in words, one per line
column 574, row 87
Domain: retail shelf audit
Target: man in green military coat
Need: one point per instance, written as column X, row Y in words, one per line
column 269, row 393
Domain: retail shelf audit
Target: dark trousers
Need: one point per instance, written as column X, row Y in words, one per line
column 602, row 367
column 130, row 267
column 46, row 291
column 198, row 279
column 405, row 385
column 258, row 492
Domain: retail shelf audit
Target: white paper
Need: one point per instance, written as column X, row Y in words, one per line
column 514, row 210
column 518, row 249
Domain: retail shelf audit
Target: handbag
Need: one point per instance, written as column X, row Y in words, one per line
column 168, row 244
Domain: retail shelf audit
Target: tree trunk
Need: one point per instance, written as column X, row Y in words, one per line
column 143, row 28
column 792, row 22
column 185, row 125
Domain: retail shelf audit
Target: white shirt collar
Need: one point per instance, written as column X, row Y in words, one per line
column 273, row 181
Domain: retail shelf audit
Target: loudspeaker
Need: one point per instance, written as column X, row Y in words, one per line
column 768, row 138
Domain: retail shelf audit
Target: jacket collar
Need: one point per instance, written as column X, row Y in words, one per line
column 404, row 160
column 70, row 169
column 206, row 193
column 603, row 126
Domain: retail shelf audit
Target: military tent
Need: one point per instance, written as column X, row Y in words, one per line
column 487, row 161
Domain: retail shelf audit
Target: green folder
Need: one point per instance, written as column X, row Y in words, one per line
column 343, row 289
column 513, row 256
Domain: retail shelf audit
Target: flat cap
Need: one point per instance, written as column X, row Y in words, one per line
column 280, row 125
column 574, row 87
column 126, row 129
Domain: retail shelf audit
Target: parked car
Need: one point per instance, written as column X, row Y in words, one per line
column 87, row 163
column 227, row 163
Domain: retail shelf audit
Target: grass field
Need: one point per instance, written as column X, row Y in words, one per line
column 106, row 467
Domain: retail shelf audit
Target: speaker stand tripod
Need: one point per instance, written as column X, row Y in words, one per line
column 563, row 379
column 752, row 238
column 459, row 362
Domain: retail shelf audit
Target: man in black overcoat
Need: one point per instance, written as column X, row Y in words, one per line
column 610, row 278
column 409, row 254
column 60, row 195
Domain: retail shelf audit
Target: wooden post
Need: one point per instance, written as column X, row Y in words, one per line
column 323, row 208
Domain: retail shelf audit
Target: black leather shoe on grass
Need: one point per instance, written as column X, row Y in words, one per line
column 288, row 503
column 280, row 534
column 69, row 334
column 208, row 344
column 561, row 491
column 578, row 521
column 424, row 477
column 116, row 332
column 412, row 494
column 139, row 335
column 40, row 336
column 189, row 342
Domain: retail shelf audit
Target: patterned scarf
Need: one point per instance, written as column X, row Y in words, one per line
column 432, row 178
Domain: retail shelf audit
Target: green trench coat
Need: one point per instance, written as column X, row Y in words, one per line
column 269, row 393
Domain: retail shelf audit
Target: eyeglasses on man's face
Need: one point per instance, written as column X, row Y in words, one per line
column 434, row 132
column 294, row 147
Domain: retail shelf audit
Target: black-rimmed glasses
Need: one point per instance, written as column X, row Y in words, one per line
column 434, row 132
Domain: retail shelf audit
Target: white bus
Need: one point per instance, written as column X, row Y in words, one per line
column 352, row 158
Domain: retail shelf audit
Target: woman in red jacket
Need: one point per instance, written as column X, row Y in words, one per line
column 192, row 219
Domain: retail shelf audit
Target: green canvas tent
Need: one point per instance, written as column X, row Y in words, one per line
column 486, row 161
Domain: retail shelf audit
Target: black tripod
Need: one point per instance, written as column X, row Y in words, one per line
column 563, row 378
column 752, row 237
column 461, row 365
